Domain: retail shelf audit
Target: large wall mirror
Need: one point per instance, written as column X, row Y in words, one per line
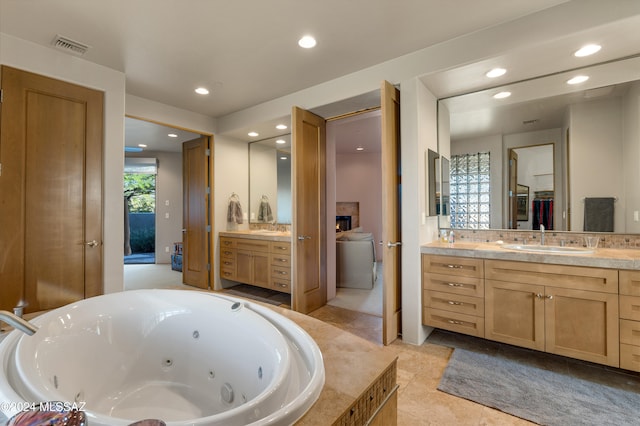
column 270, row 180
column 566, row 143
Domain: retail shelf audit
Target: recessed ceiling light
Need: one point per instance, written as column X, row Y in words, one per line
column 141, row 145
column 172, row 135
column 253, row 134
column 587, row 50
column 281, row 127
column 496, row 72
column 578, row 79
column 359, row 148
column 502, row 95
column 202, row 91
column 281, row 141
column 307, row 42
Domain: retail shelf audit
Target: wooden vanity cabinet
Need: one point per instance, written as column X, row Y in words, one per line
column 453, row 294
column 565, row 310
column 258, row 262
column 630, row 320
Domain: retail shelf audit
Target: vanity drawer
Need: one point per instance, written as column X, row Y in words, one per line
column 228, row 263
column 228, row 273
column 630, row 357
column 451, row 265
column 277, row 259
column 227, row 243
column 281, row 285
column 226, row 253
column 280, row 272
column 252, row 245
column 454, row 303
column 630, row 307
column 453, row 284
column 630, row 332
column 280, row 247
column 630, row 283
column 453, row 321
column 571, row 277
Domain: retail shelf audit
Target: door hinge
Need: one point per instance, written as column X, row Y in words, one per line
column 208, row 228
column 0, row 169
column 1, row 95
column 207, row 152
column 208, row 190
column 510, row 193
column 208, row 267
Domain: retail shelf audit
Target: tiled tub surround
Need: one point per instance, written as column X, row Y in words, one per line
column 582, row 306
column 553, row 238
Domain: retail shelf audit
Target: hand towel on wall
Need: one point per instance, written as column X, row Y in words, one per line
column 598, row 214
column 264, row 213
column 234, row 211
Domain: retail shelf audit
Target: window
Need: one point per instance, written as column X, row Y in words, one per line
column 470, row 191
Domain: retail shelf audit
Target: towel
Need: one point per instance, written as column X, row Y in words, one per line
column 598, row 214
column 234, row 212
column 264, row 213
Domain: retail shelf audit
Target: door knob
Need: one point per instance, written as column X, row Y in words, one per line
column 303, row 237
column 396, row 244
column 92, row 243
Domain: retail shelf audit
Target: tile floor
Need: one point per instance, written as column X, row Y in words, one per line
column 421, row 367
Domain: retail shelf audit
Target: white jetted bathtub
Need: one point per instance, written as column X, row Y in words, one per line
column 184, row 357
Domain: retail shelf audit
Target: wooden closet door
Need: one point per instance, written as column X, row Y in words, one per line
column 50, row 191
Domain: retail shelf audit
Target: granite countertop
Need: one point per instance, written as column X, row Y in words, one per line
column 600, row 258
column 258, row 235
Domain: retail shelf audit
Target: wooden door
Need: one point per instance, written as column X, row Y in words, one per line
column 309, row 213
column 582, row 324
column 513, row 189
column 196, row 226
column 514, row 314
column 391, row 235
column 50, row 191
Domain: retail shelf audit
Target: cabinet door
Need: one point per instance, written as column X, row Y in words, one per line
column 261, row 269
column 582, row 324
column 244, row 267
column 514, row 313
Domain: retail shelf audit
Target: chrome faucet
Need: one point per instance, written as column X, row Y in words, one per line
column 18, row 323
column 541, row 235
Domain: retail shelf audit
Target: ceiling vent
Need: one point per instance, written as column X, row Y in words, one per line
column 70, row 46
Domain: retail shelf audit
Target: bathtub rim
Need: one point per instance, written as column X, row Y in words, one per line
column 289, row 412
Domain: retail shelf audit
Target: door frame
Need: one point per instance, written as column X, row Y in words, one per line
column 211, row 215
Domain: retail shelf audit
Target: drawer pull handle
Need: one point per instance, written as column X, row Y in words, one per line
column 281, row 260
column 282, row 248
column 455, row 266
column 228, row 252
column 228, row 263
column 455, row 322
column 451, row 302
column 283, row 273
column 539, row 296
column 227, row 274
column 455, row 285
column 227, row 243
column 282, row 285
column 550, row 297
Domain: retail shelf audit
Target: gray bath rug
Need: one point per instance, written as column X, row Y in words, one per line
column 536, row 394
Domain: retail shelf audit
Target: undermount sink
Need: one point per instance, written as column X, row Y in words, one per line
column 548, row 249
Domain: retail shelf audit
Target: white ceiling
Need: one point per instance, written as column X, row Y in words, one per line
column 246, row 52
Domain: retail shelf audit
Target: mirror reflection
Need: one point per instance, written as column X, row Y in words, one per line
column 573, row 144
column 270, row 180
